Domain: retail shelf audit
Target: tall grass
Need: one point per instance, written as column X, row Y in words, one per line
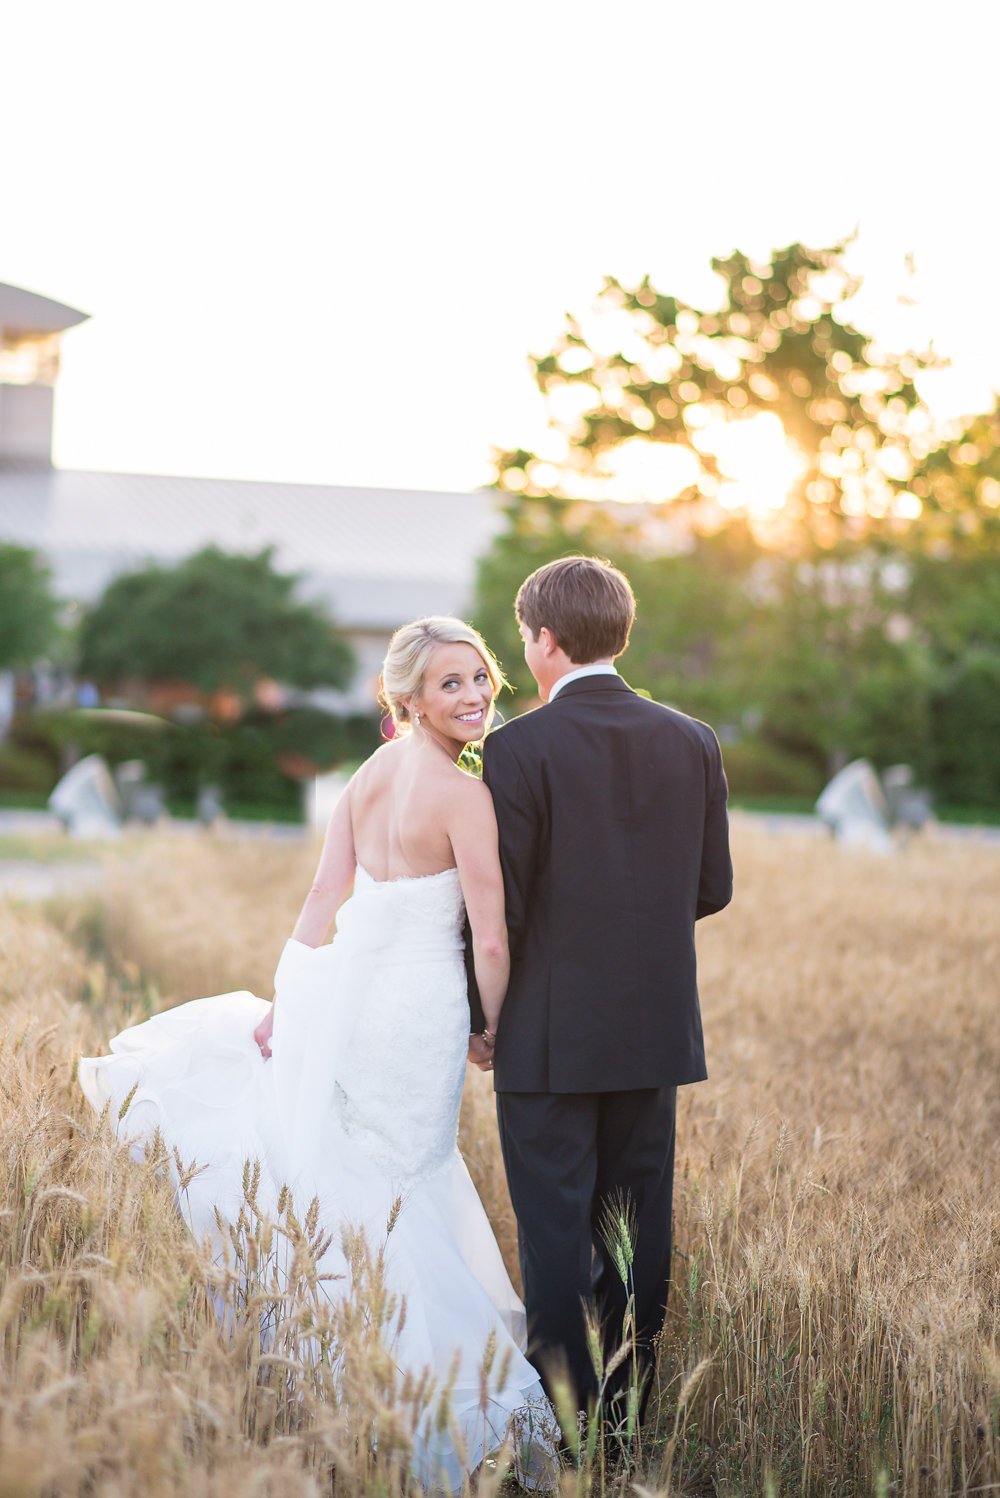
column 834, row 1325
column 838, row 1199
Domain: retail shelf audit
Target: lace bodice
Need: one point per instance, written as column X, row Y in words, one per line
column 399, row 1078
column 434, row 899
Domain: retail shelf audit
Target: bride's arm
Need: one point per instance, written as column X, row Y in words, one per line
column 333, row 879
column 473, row 833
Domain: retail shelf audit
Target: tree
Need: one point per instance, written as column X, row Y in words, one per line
column 954, row 602
column 215, row 621
column 691, row 605
column 28, row 611
column 957, row 485
column 858, row 616
column 648, row 369
column 830, row 664
column 965, row 762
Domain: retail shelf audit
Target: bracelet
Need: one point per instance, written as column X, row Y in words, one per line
column 489, row 1036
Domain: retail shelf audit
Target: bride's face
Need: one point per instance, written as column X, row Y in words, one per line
column 455, row 702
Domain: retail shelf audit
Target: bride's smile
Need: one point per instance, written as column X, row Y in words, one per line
column 455, row 704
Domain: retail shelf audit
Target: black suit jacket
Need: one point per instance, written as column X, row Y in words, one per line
column 613, row 841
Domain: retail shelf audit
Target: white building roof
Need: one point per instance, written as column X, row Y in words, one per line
column 26, row 312
column 377, row 556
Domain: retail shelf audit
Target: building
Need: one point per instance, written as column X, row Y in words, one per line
column 376, row 557
column 31, row 327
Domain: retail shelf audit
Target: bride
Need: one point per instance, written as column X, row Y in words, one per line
column 369, row 1036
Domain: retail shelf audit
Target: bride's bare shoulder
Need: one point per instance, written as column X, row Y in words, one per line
column 378, row 763
column 375, row 776
column 458, row 791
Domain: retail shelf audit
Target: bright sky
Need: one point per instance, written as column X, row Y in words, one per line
column 317, row 240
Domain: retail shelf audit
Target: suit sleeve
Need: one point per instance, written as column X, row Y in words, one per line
column 519, row 828
column 477, row 1019
column 715, row 884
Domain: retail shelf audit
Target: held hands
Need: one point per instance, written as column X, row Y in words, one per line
column 262, row 1034
column 481, row 1050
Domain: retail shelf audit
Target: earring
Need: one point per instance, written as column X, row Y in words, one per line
column 417, row 718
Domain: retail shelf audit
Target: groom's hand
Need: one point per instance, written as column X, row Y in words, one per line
column 480, row 1053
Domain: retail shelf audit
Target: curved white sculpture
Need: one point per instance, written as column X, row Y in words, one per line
column 854, row 805
column 87, row 801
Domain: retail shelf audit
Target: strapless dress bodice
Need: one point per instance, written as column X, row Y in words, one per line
column 407, row 921
column 434, row 898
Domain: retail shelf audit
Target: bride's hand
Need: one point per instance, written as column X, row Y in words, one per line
column 262, row 1034
column 480, row 1053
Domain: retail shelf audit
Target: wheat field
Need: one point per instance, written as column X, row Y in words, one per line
column 834, row 1324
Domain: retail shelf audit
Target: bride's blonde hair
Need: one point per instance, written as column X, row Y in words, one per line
column 411, row 647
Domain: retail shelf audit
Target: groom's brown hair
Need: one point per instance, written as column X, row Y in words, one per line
column 586, row 603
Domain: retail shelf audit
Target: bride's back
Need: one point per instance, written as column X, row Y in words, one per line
column 398, row 800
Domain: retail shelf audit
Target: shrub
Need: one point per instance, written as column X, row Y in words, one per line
column 754, row 766
column 257, row 761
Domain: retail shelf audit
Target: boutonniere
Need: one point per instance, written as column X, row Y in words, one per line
column 471, row 760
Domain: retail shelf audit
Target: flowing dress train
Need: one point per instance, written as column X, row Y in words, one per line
column 358, row 1108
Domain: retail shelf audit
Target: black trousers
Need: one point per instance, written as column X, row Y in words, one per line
column 566, row 1156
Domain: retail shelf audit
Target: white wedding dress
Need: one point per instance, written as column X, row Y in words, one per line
column 358, row 1107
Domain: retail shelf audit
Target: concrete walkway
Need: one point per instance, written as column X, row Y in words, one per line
column 27, row 878
column 935, row 832
column 22, row 879
column 16, row 823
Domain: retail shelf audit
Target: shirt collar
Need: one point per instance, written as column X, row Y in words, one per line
column 580, row 672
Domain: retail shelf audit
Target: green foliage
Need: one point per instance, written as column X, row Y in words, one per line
column 257, row 761
column 800, row 655
column 965, row 737
column 954, row 601
column 955, row 598
column 27, row 607
column 883, row 652
column 692, row 614
column 757, row 767
column 862, row 618
column 781, row 343
column 319, row 740
column 538, row 532
column 682, row 600
column 958, row 484
column 829, row 660
column 247, row 759
column 215, row 621
column 23, row 769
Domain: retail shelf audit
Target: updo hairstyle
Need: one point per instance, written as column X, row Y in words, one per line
column 410, row 649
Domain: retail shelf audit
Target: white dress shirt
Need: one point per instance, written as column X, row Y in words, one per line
column 581, row 671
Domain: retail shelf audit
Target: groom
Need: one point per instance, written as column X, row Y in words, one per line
column 614, row 841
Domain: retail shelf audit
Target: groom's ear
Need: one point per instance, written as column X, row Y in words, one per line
column 547, row 640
